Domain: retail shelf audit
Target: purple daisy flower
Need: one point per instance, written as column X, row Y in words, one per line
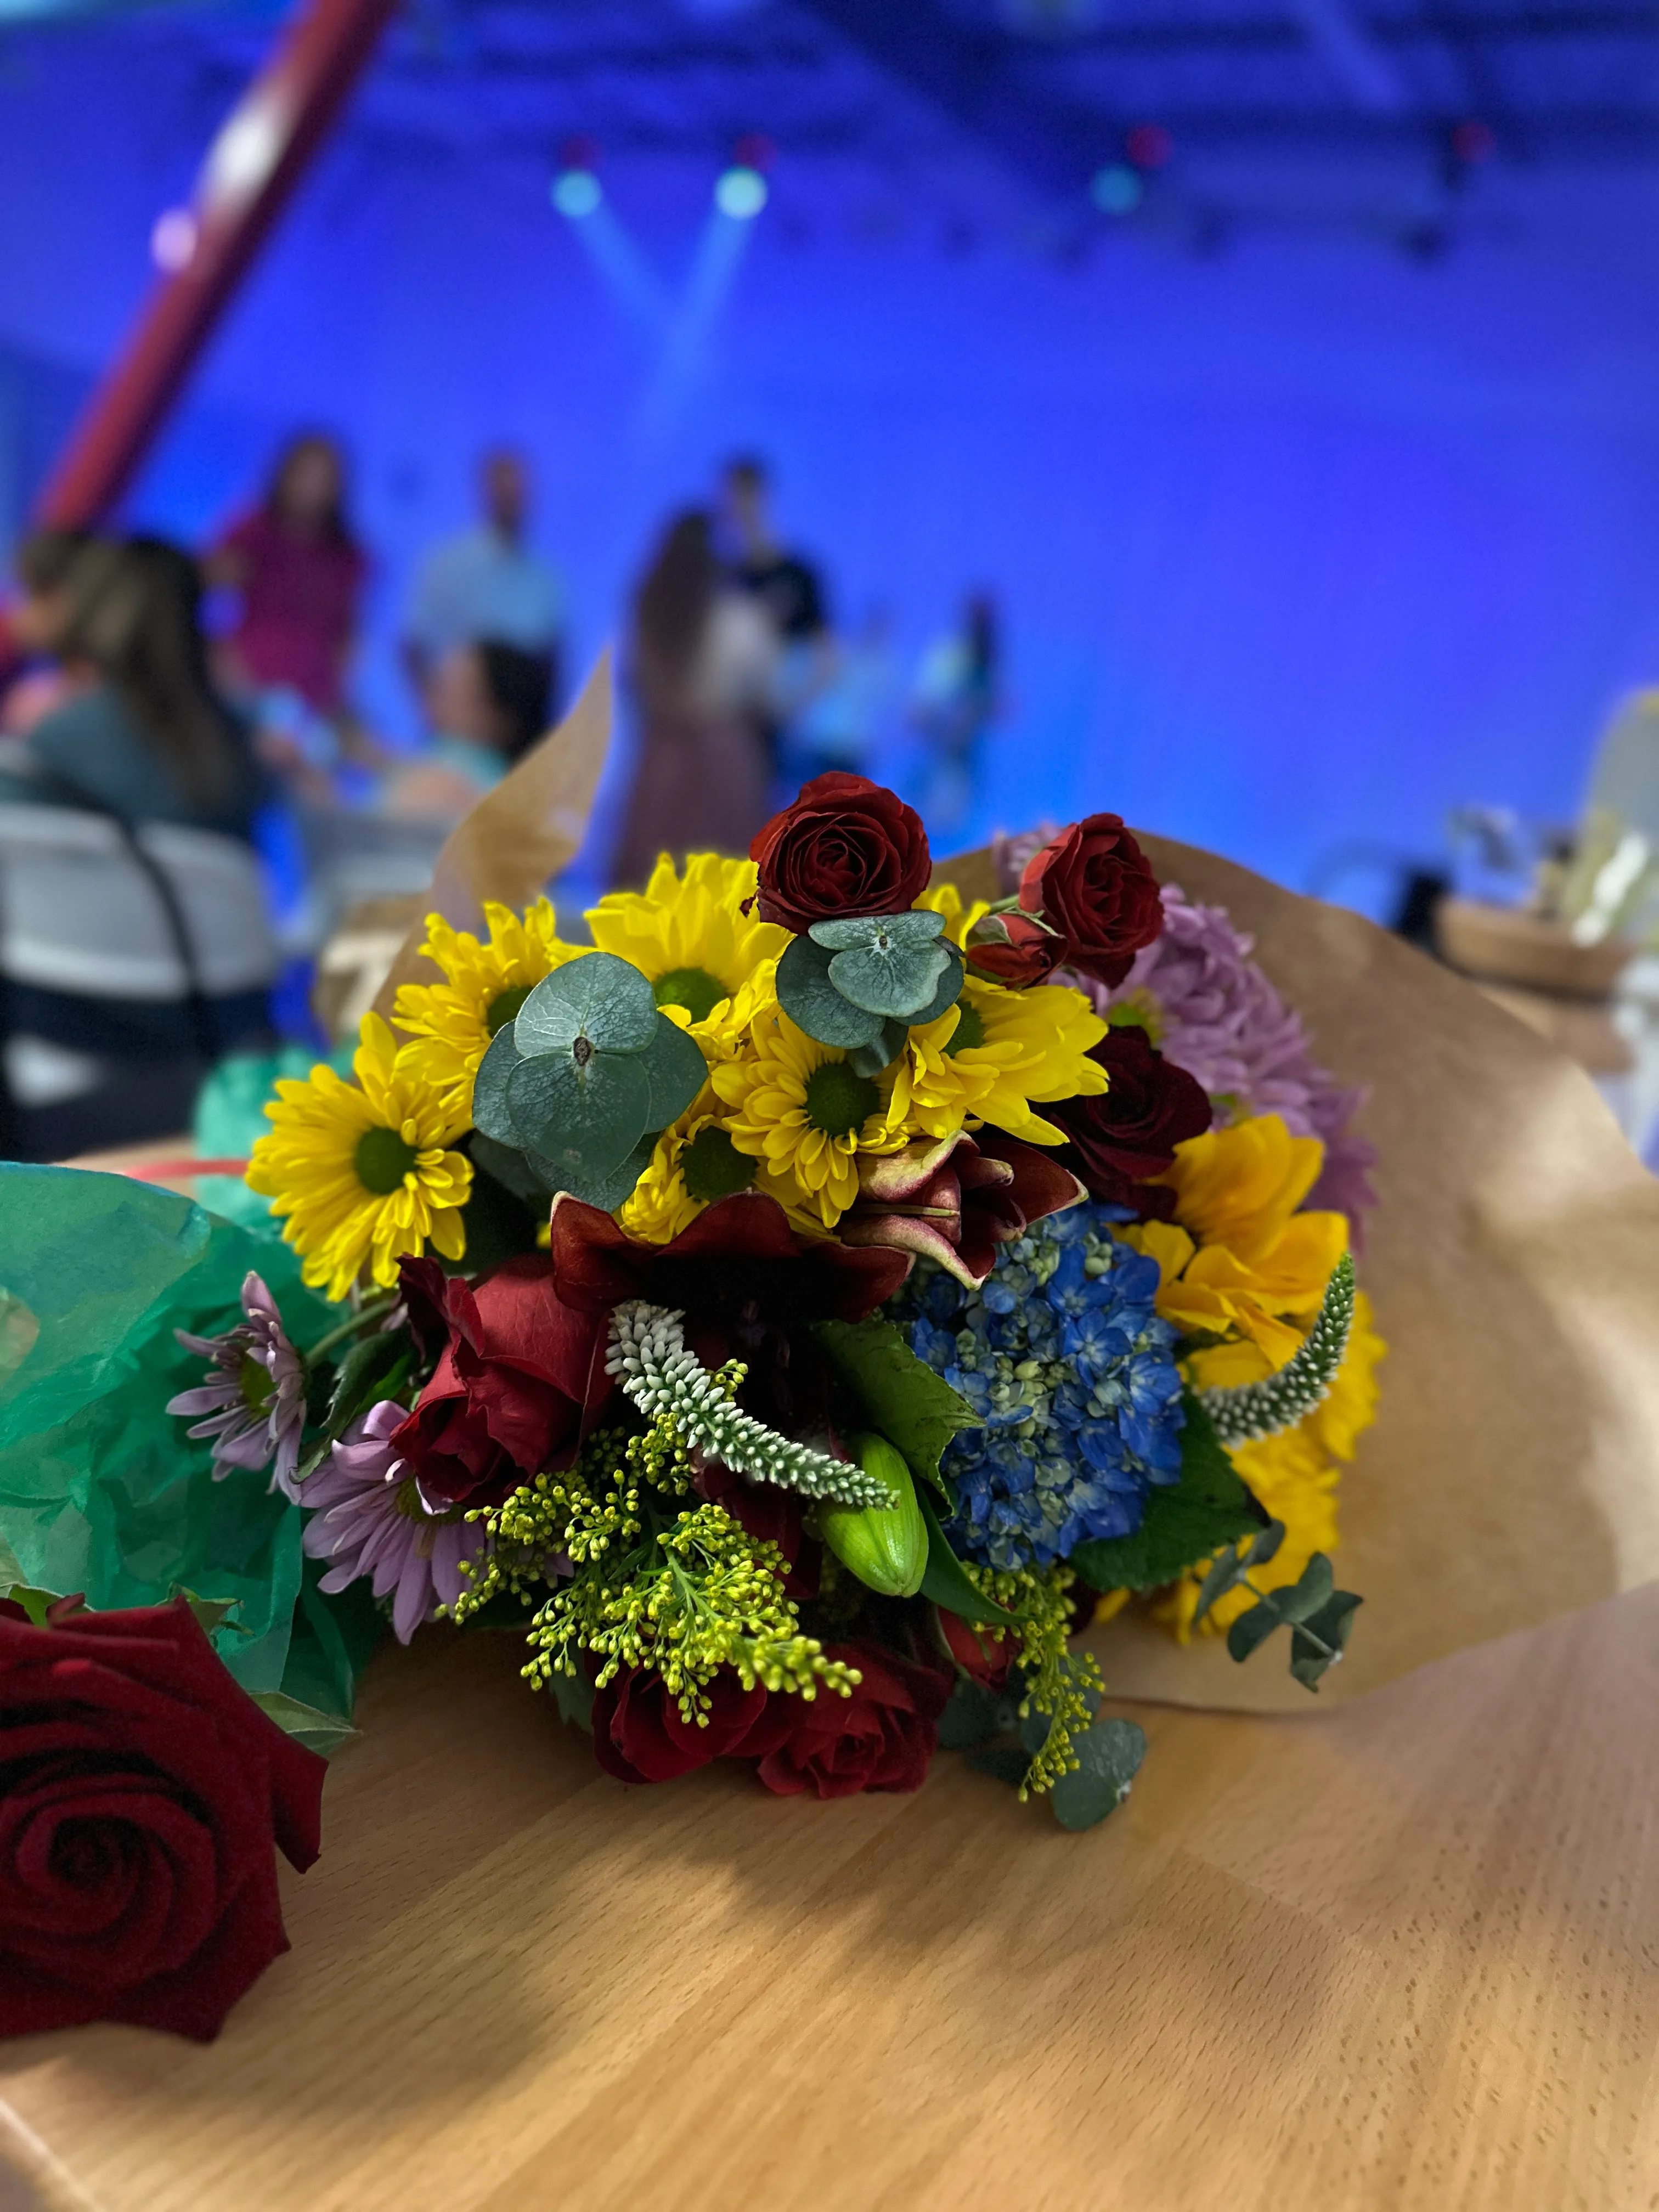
column 255, row 1395
column 371, row 1519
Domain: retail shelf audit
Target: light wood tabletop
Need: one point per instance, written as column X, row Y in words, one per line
column 1400, row 1954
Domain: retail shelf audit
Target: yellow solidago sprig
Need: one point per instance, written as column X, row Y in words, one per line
column 362, row 1172
column 486, row 981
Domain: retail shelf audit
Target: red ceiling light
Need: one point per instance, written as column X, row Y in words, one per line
column 1472, row 141
column 755, row 150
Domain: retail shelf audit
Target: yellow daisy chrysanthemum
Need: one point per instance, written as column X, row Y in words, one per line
column 946, row 899
column 361, row 1172
column 990, row 1055
column 695, row 1162
column 691, row 940
column 487, row 981
column 799, row 1108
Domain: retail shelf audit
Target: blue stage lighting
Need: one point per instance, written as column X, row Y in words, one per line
column 740, row 193
column 576, row 193
column 1117, row 189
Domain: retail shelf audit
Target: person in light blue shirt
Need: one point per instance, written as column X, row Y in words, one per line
column 487, row 583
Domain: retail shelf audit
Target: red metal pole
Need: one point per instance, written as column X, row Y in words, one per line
column 251, row 167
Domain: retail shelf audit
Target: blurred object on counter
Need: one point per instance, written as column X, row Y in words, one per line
column 358, row 958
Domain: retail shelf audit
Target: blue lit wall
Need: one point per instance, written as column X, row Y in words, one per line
column 1300, row 546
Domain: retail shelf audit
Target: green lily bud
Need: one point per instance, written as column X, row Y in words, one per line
column 885, row 1546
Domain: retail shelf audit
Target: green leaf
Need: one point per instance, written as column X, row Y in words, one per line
column 912, row 1405
column 515, row 1169
column 376, row 1365
column 677, row 1071
column 213, row 1612
column 1184, row 1520
column 1252, row 1629
column 815, row 1006
column 1310, row 1591
column 891, row 978
column 582, row 1117
column 1264, row 1546
column 1003, row 1761
column 871, row 1059
column 948, row 991
column 574, row 1695
column 34, row 1602
column 491, row 1111
column 945, row 1584
column 917, row 927
column 598, row 997
column 499, row 1224
column 320, row 1732
column 1331, row 1624
column 1108, row 1759
column 336, row 1632
column 973, row 1715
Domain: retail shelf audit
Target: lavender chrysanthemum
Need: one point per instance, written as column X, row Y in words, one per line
column 371, row 1520
column 254, row 1398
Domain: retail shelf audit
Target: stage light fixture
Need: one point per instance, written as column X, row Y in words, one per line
column 1117, row 189
column 1474, row 141
column 1148, row 145
column 173, row 241
column 740, row 193
column 577, row 193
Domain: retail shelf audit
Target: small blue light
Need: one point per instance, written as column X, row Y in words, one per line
column 576, row 193
column 1117, row 189
column 741, row 193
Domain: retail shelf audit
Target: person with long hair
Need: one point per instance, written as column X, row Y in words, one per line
column 146, row 737
column 299, row 571
column 703, row 666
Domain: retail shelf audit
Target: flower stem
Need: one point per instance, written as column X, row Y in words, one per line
column 375, row 1311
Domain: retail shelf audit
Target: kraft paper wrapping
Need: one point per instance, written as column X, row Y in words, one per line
column 1513, row 1263
column 519, row 835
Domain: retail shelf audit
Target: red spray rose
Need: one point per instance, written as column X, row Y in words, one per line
column 517, row 1370
column 846, row 847
column 1095, row 885
column 883, row 1737
column 140, row 1793
column 639, row 1736
column 986, row 1654
column 1131, row 1130
column 1014, row 949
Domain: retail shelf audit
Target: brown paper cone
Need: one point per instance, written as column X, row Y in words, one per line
column 1513, row 1472
column 519, row 835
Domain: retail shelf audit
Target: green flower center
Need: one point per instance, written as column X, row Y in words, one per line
column 969, row 1031
column 714, row 1167
column 838, row 1099
column 694, row 988
column 504, row 1007
column 257, row 1387
column 382, row 1159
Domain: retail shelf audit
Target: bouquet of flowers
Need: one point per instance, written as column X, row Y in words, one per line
column 797, row 1314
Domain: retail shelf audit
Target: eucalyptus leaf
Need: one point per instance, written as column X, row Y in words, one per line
column 890, row 979
column 871, row 1059
column 918, row 926
column 1331, row 1625
column 1004, row 1761
column 948, row 991
column 973, row 1716
column 573, row 1697
column 582, row 1117
column 615, row 1186
column 1312, row 1588
column 514, row 1167
column 1108, row 1759
column 490, row 1112
column 598, row 997
column 676, row 1070
column 815, row 1006
column 1253, row 1628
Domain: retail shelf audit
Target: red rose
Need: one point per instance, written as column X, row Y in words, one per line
column 1131, row 1130
column 517, row 1370
column 1094, row 884
column 639, row 1736
column 141, row 1792
column 880, row 1738
column 846, row 847
column 986, row 1654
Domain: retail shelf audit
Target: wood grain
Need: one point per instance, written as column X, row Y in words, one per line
column 1399, row 1955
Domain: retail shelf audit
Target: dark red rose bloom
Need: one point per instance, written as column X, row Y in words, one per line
column 638, row 1736
column 1132, row 1129
column 518, row 1372
column 142, row 1791
column 1095, row 885
column 954, row 1200
column 883, row 1737
column 1013, row 949
column 747, row 1284
column 846, row 847
column 987, row 1654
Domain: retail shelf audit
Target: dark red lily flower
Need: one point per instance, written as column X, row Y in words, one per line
column 955, row 1198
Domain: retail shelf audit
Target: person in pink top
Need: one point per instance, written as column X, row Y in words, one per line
column 300, row 573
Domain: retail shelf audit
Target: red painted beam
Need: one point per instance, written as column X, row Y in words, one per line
column 254, row 163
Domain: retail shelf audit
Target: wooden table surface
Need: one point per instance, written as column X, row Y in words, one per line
column 1400, row 1954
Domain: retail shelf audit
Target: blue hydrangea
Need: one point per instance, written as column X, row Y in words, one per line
column 1062, row 1355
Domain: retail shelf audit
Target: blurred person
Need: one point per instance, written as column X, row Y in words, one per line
column 787, row 585
column 487, row 583
column 703, row 663
column 844, row 724
column 958, row 697
column 488, row 703
column 299, row 571
column 146, row 737
column 36, row 676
